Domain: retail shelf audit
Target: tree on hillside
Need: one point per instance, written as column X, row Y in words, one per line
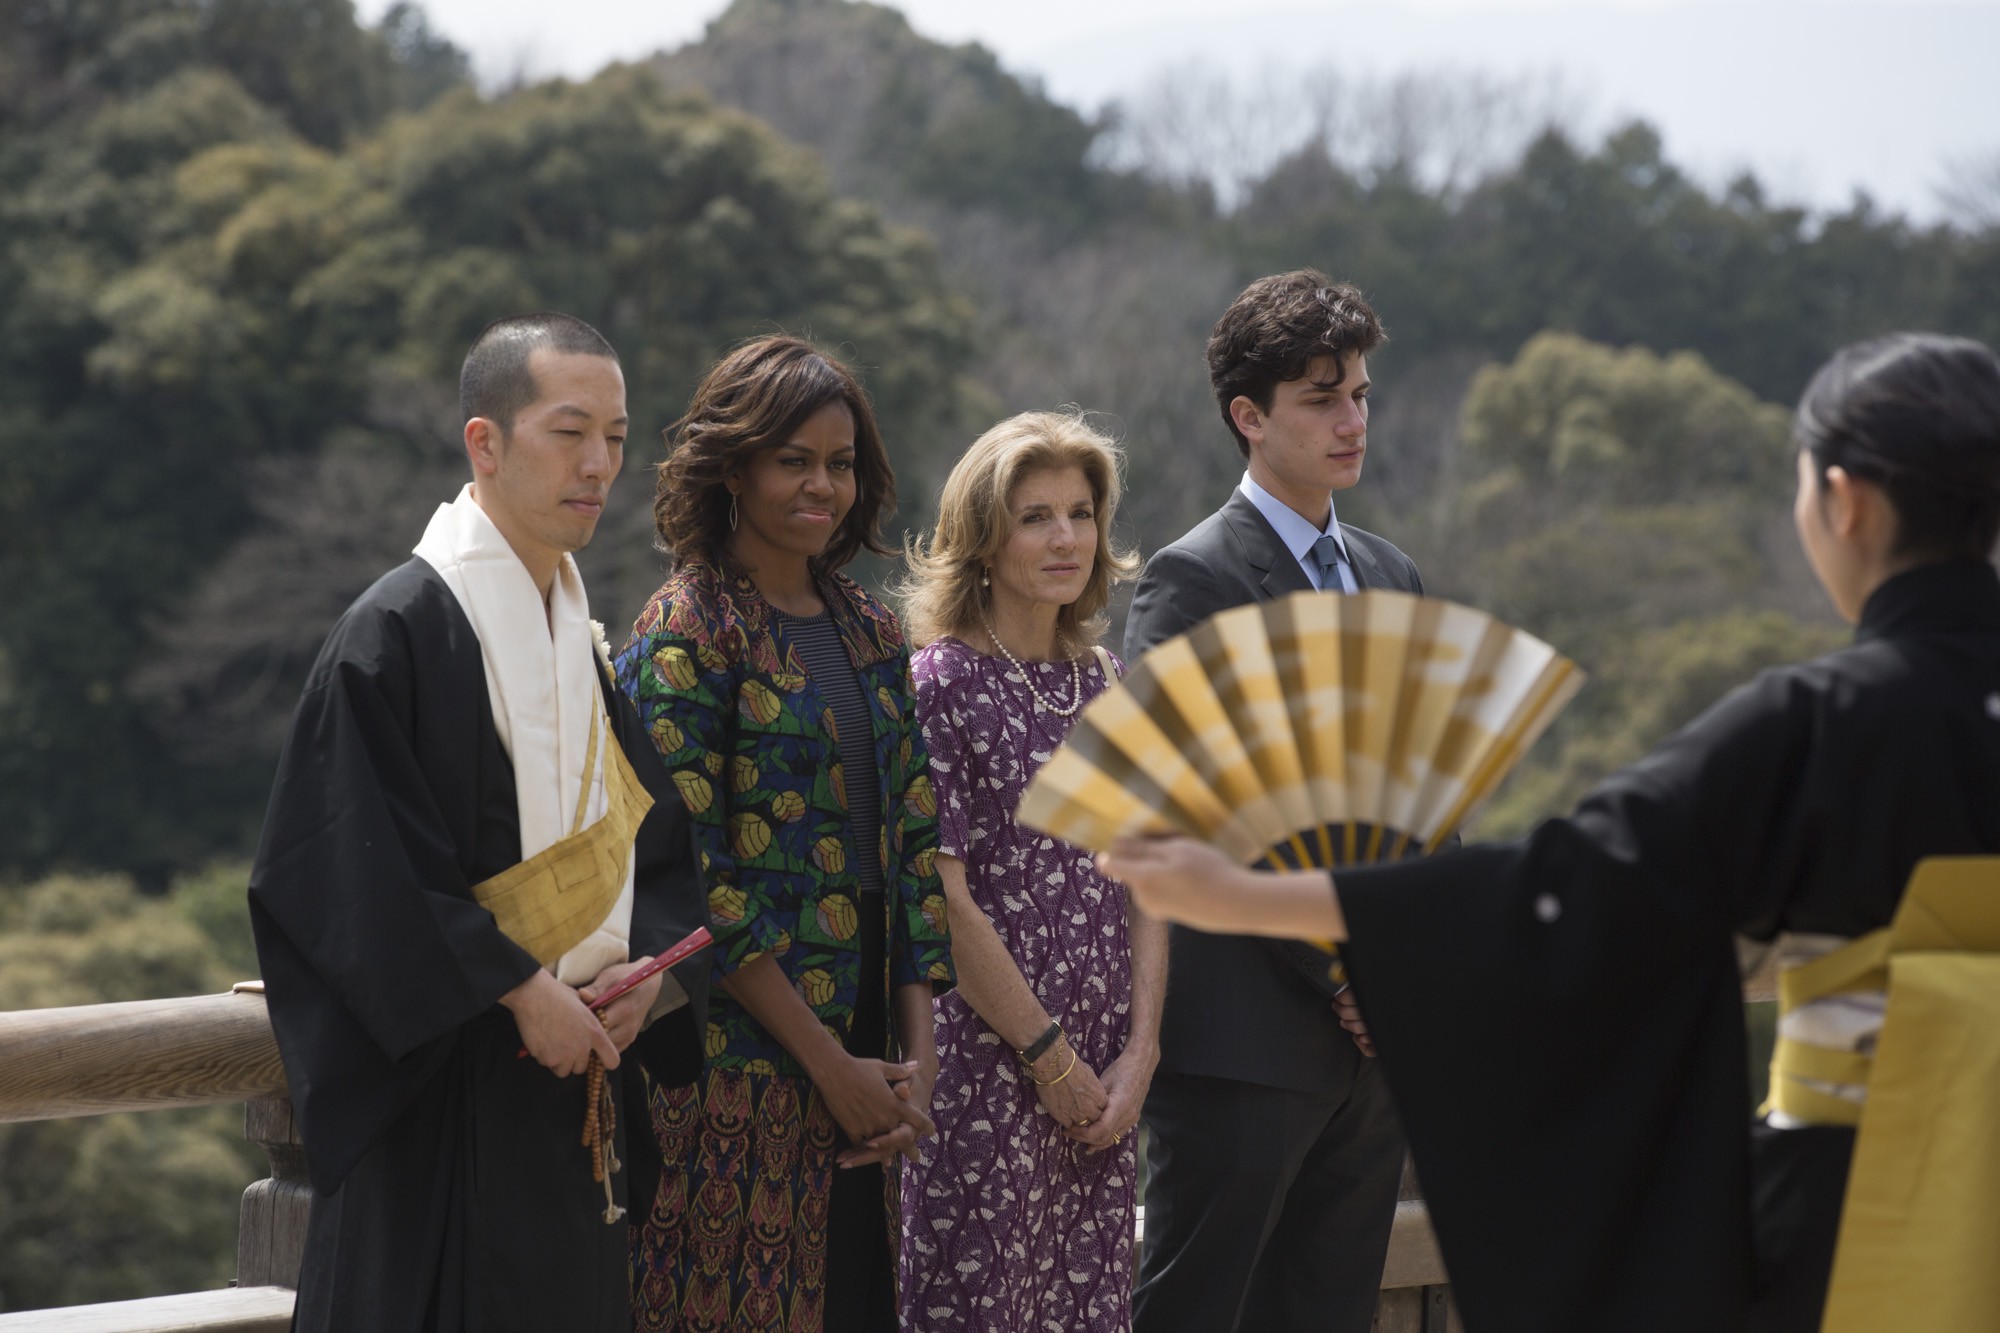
column 407, row 247
column 1619, row 245
column 922, row 127
column 1633, row 510
column 308, row 60
column 1652, row 685
column 138, row 394
column 1438, row 131
column 119, row 465
column 1091, row 285
column 1605, row 492
column 1456, row 199
column 215, row 327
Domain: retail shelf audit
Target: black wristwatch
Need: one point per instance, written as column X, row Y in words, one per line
column 1040, row 1046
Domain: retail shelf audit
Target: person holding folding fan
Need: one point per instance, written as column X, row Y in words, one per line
column 1558, row 1017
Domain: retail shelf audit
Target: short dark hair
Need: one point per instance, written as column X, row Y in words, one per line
column 1276, row 328
column 495, row 382
column 755, row 399
column 1917, row 414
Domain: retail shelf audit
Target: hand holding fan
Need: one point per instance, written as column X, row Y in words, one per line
column 1316, row 730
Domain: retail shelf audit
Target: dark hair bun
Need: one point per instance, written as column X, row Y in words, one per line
column 1918, row 414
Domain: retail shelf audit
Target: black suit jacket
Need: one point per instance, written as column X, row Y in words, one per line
column 1241, row 1007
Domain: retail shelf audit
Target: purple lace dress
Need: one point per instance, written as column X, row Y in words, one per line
column 1007, row 1225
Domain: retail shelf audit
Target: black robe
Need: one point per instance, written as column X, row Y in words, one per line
column 450, row 1187
column 1560, row 1018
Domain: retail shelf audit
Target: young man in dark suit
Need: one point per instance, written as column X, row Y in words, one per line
column 1274, row 1156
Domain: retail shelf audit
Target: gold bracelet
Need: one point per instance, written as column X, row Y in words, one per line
column 1059, row 1077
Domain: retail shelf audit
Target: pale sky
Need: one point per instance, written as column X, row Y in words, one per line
column 1818, row 97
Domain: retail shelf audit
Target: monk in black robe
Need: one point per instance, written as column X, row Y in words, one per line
column 1560, row 1019
column 458, row 713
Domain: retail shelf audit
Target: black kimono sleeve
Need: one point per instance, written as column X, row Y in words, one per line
column 1561, row 1026
column 392, row 798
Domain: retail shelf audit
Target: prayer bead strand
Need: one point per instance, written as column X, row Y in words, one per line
column 600, row 1134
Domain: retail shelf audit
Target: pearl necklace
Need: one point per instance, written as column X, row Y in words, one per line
column 1075, row 677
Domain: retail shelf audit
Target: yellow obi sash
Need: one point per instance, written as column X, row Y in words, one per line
column 1919, row 1240
column 551, row 902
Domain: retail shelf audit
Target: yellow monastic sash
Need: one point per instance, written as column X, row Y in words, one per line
column 1919, row 1240
column 551, row 902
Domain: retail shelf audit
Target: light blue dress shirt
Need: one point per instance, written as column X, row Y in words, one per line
column 1298, row 535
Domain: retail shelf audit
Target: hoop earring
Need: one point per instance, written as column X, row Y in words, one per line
column 732, row 513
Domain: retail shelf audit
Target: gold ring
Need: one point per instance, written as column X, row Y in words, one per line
column 1083, row 1122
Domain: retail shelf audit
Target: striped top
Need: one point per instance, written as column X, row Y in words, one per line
column 826, row 661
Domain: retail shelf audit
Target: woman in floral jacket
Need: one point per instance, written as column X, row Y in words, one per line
column 779, row 694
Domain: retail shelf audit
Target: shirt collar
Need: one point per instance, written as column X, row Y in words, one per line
column 1949, row 596
column 1296, row 533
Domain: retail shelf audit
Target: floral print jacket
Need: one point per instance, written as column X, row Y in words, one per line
column 750, row 741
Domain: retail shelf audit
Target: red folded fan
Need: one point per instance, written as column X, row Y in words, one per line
column 698, row 940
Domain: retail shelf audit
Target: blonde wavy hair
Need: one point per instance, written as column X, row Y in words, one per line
column 942, row 595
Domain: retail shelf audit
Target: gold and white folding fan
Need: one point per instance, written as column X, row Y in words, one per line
column 1317, row 730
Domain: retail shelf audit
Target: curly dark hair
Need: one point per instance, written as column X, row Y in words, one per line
column 755, row 399
column 1276, row 328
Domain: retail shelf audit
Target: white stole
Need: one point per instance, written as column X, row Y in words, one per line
column 542, row 677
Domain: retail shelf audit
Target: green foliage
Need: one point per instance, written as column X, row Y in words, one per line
column 215, row 900
column 307, row 59
column 1628, row 508
column 1595, row 474
column 211, row 309
column 112, row 1207
column 918, row 122
column 1656, row 683
column 234, row 285
column 1579, row 419
column 140, row 388
column 70, row 940
column 1619, row 246
column 121, row 1206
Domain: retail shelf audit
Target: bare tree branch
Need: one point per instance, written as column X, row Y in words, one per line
column 1970, row 192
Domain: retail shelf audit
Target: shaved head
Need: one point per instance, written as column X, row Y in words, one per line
column 497, row 382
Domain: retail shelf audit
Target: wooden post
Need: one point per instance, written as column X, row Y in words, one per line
column 1416, row 1292
column 271, row 1232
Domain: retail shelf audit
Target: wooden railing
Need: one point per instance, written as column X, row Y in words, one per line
column 152, row 1055
column 157, row 1054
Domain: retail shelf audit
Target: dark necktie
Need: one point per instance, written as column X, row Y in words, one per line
column 1326, row 554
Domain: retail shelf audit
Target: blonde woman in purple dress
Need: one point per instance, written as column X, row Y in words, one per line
column 1020, row 1214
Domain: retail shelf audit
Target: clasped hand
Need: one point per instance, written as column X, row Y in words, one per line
column 1094, row 1110
column 558, row 1027
column 1348, row 1011
column 882, row 1107
column 1122, row 1090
